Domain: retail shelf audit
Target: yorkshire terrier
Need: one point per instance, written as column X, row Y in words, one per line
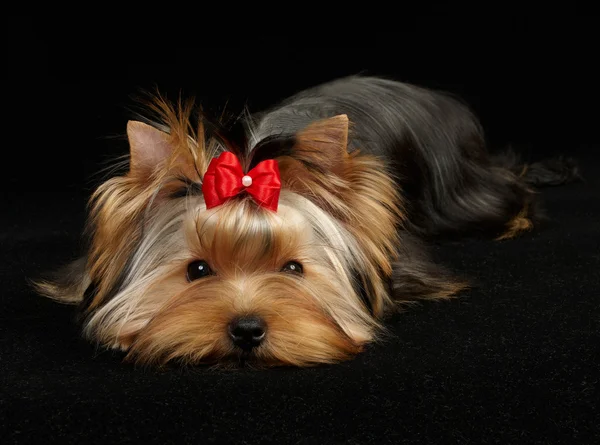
column 285, row 237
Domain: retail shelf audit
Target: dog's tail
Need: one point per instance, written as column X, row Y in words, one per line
column 554, row 171
column 551, row 172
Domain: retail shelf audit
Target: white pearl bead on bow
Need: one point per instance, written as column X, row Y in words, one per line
column 247, row 181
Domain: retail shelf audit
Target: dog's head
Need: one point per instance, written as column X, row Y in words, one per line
column 168, row 278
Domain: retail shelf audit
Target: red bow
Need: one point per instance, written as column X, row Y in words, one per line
column 225, row 179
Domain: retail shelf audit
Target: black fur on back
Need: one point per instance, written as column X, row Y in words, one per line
column 450, row 182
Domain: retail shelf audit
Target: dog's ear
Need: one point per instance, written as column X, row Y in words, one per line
column 324, row 143
column 317, row 158
column 318, row 152
column 149, row 148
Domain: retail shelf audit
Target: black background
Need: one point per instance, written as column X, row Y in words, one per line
column 513, row 361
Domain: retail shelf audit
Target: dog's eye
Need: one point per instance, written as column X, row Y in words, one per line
column 198, row 269
column 293, row 267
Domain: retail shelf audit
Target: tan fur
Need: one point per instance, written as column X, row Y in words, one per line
column 325, row 143
column 356, row 189
column 192, row 327
column 118, row 204
column 309, row 318
column 338, row 213
column 517, row 225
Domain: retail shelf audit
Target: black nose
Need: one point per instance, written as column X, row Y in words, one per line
column 247, row 332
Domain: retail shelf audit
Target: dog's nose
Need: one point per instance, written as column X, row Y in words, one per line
column 247, row 332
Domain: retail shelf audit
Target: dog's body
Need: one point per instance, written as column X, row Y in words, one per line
column 432, row 141
column 367, row 168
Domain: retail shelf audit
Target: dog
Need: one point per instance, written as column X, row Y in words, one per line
column 285, row 237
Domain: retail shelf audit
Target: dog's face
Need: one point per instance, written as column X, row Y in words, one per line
column 237, row 282
column 171, row 279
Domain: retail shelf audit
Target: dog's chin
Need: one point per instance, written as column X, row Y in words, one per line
column 257, row 359
column 325, row 345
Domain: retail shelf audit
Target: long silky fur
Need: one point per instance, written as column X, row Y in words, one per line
column 370, row 168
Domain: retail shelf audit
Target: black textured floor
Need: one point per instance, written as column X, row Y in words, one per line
column 514, row 361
